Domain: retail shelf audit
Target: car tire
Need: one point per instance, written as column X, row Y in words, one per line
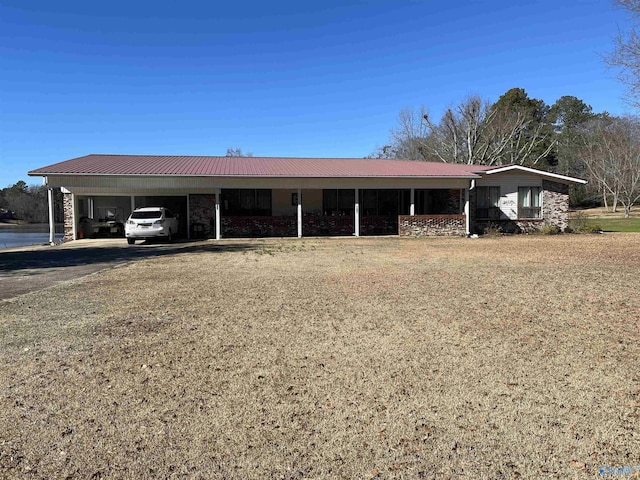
column 170, row 237
column 131, row 241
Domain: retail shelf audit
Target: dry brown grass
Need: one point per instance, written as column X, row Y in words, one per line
column 339, row 358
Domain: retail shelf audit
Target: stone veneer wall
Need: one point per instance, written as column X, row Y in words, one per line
column 67, row 207
column 509, row 226
column 555, row 204
column 431, row 225
column 202, row 209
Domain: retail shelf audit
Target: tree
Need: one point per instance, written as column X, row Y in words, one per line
column 568, row 116
column 626, row 52
column 524, row 124
column 514, row 130
column 408, row 139
column 30, row 202
column 611, row 155
column 237, row 152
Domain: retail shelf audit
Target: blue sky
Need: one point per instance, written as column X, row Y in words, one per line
column 304, row 78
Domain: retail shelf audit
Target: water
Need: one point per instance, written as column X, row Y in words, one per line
column 21, row 235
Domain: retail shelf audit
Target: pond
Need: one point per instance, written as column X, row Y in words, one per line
column 29, row 234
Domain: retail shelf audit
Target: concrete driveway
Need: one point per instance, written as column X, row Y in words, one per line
column 27, row 269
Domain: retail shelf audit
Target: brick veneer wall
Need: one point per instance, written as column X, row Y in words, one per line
column 431, row 225
column 67, row 207
column 255, row 226
column 555, row 204
column 202, row 209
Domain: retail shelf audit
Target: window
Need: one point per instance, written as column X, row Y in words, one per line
column 384, row 202
column 246, row 202
column 338, row 202
column 488, row 202
column 438, row 201
column 529, row 202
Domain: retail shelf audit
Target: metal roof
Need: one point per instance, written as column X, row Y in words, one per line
column 98, row 164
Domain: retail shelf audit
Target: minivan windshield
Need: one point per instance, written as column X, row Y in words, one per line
column 146, row 215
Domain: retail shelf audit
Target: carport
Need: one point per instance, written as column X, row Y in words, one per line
column 178, row 204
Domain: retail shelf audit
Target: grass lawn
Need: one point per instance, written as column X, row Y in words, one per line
column 616, row 224
column 513, row 357
column 608, row 221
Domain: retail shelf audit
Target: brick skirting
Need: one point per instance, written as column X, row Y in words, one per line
column 431, row 225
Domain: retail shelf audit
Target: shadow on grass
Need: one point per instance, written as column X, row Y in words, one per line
column 83, row 256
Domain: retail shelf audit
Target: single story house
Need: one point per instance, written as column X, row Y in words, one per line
column 229, row 197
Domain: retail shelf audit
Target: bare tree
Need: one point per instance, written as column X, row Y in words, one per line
column 626, row 52
column 408, row 140
column 237, row 152
column 478, row 132
column 611, row 154
column 512, row 130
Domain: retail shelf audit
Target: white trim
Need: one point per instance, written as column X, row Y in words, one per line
column 412, row 205
column 542, row 173
column 356, row 213
column 74, row 216
column 218, row 236
column 299, row 208
column 170, row 175
column 467, row 210
column 52, row 224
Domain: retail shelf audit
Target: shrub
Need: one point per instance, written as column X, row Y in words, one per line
column 580, row 224
column 549, row 230
column 492, row 230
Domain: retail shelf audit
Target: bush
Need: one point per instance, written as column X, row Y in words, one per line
column 580, row 224
column 549, row 230
column 492, row 230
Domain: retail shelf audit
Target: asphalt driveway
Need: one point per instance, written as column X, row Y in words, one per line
column 27, row 269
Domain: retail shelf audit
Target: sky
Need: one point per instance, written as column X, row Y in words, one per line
column 279, row 78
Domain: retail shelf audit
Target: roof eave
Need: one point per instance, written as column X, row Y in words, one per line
column 542, row 173
column 75, row 174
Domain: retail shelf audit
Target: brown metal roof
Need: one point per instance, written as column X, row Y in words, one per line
column 96, row 164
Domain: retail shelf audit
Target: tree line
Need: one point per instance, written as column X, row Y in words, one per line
column 566, row 138
column 29, row 203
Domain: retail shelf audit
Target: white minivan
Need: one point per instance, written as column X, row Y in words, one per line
column 151, row 222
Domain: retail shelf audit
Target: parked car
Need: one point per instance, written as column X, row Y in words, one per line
column 151, row 222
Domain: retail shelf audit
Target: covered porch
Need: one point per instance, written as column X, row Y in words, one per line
column 249, row 213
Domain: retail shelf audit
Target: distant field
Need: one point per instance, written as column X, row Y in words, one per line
column 617, row 224
column 611, row 222
column 508, row 357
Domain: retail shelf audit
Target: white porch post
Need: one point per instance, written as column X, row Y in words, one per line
column 356, row 211
column 299, row 213
column 52, row 224
column 74, row 216
column 218, row 236
column 133, row 203
column 412, row 205
column 467, row 208
column 91, row 207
